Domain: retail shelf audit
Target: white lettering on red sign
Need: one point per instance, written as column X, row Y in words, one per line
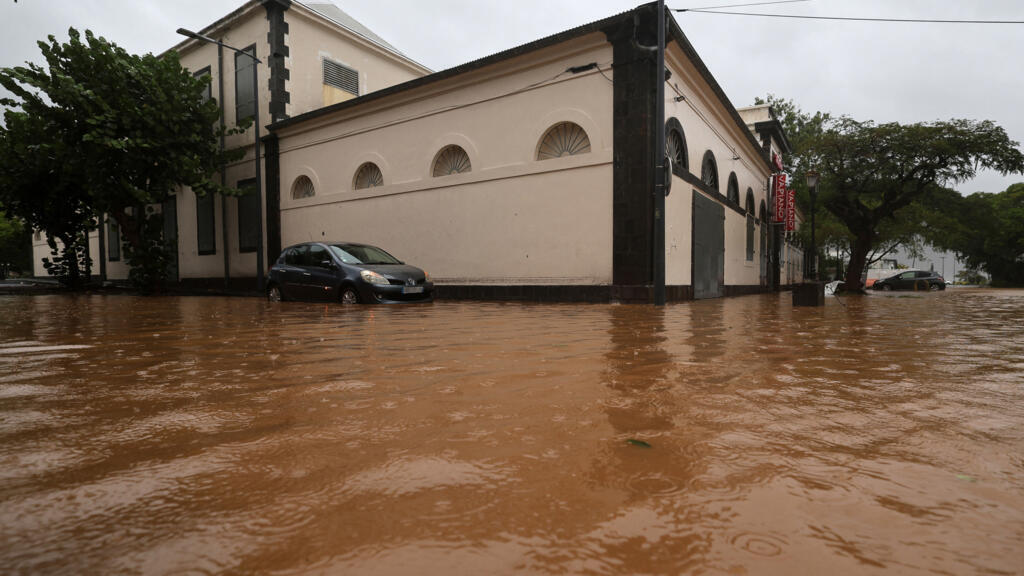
column 790, row 210
column 779, row 198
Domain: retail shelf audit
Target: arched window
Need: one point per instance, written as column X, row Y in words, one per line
column 451, row 160
column 563, row 139
column 368, row 176
column 750, row 225
column 303, row 188
column 733, row 190
column 675, row 144
column 709, row 171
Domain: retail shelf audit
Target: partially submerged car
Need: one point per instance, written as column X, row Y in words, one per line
column 347, row 272
column 911, row 280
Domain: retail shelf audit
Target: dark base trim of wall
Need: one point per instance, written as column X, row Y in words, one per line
column 545, row 293
column 497, row 293
column 214, row 285
column 745, row 290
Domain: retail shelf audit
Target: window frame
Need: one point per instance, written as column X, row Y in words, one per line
column 210, row 226
column 441, row 153
column 565, row 147
column 243, row 246
column 113, row 241
column 709, row 166
column 295, row 187
column 250, row 84
column 374, row 183
column 209, row 81
column 673, row 125
column 732, row 190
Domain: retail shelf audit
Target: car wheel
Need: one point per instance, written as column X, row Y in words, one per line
column 349, row 295
column 936, row 287
column 274, row 294
column 886, row 287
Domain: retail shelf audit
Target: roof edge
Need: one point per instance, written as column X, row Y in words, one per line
column 548, row 41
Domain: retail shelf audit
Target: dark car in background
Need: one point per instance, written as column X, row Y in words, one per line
column 347, row 272
column 911, row 280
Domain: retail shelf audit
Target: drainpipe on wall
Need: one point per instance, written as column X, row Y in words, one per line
column 223, row 167
column 659, row 163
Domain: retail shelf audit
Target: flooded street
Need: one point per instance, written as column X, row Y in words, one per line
column 881, row 434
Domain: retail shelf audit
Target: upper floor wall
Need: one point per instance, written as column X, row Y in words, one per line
column 307, row 60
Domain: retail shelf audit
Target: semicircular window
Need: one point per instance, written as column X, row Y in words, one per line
column 675, row 148
column 709, row 170
column 750, row 201
column 303, row 188
column 563, row 139
column 732, row 191
column 368, row 176
column 451, row 160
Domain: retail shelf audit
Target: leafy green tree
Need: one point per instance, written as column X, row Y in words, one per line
column 112, row 130
column 832, row 235
column 15, row 243
column 38, row 185
column 870, row 172
column 987, row 231
column 877, row 179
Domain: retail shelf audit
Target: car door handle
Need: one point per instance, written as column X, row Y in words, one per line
column 307, row 273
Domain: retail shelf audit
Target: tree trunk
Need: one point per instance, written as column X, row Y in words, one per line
column 858, row 259
column 70, row 255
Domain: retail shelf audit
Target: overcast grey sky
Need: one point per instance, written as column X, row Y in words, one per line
column 870, row 71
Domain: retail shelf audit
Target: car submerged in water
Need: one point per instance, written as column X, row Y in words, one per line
column 911, row 280
column 346, row 272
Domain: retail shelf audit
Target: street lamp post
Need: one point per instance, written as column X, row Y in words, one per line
column 256, row 129
column 812, row 184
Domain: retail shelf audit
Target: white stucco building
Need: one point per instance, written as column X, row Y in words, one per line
column 527, row 174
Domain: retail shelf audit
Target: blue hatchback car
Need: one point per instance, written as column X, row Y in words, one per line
column 347, row 272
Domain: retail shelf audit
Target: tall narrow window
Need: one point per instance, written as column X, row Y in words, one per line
column 750, row 225
column 675, row 145
column 368, row 176
column 113, row 240
column 709, row 171
column 206, row 226
column 204, row 75
column 248, row 216
column 451, row 160
column 245, row 92
column 733, row 190
column 564, row 139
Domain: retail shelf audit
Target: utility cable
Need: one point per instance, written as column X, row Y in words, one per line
column 737, row 5
column 853, row 19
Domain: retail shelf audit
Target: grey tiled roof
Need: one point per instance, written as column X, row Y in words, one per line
column 332, row 12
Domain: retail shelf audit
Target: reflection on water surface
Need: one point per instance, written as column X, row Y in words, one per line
column 881, row 434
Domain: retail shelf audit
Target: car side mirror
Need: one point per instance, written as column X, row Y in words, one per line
column 327, row 264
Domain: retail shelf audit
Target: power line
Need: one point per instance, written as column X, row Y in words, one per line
column 738, row 5
column 850, row 19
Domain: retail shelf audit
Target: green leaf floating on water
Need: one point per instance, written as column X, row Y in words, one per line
column 640, row 443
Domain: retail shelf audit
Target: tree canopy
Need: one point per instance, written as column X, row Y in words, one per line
column 98, row 130
column 874, row 175
column 986, row 230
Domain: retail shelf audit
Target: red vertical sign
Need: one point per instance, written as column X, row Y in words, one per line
column 779, row 194
column 790, row 210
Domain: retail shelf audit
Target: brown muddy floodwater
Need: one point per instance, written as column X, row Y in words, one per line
column 881, row 434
